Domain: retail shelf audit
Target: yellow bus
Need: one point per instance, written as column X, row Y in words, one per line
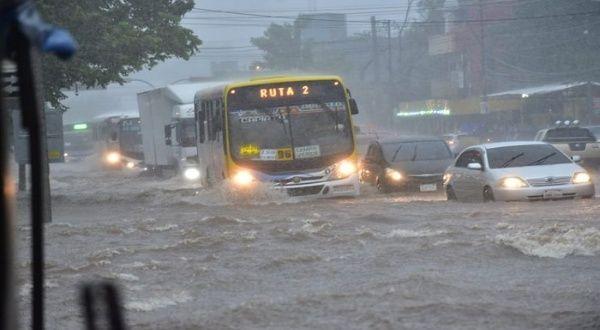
column 292, row 133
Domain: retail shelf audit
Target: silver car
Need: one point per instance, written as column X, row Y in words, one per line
column 512, row 171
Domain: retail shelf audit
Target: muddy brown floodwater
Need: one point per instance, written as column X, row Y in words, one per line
column 187, row 258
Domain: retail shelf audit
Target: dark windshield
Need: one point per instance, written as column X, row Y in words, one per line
column 416, row 151
column 568, row 134
column 290, row 132
column 186, row 132
column 130, row 138
column 525, row 155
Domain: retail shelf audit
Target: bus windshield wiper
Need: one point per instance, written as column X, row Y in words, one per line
column 332, row 112
column 515, row 157
column 542, row 160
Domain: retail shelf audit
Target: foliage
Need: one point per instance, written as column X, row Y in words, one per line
column 116, row 38
column 283, row 47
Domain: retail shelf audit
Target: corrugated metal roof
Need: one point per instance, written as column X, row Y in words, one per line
column 543, row 89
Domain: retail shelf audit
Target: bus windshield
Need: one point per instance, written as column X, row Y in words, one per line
column 301, row 127
column 290, row 132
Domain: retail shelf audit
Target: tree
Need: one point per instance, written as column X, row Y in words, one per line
column 116, row 38
column 283, row 47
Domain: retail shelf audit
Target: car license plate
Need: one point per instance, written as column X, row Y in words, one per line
column 428, row 187
column 551, row 194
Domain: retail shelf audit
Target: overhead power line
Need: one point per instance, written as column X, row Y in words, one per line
column 369, row 9
column 425, row 22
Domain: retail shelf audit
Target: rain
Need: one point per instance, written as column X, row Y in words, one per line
column 310, row 164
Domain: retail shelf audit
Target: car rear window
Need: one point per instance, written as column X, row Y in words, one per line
column 525, row 155
column 595, row 131
column 569, row 134
column 409, row 151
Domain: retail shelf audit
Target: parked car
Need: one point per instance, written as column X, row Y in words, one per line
column 404, row 163
column 459, row 141
column 573, row 141
column 516, row 171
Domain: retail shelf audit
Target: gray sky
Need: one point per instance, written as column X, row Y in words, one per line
column 228, row 30
column 224, row 30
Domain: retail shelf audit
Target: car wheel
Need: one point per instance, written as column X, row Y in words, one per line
column 382, row 186
column 450, row 194
column 488, row 194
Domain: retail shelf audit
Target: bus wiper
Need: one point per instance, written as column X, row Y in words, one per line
column 508, row 162
column 331, row 112
column 542, row 160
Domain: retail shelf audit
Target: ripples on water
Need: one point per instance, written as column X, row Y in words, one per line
column 191, row 256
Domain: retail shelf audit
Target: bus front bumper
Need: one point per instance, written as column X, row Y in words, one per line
column 348, row 187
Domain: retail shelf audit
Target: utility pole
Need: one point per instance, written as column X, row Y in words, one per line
column 590, row 101
column 401, row 30
column 484, row 88
column 390, row 87
column 389, row 39
column 374, row 48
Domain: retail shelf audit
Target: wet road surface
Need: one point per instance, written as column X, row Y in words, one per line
column 188, row 258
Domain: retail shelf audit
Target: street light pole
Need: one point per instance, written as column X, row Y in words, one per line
column 139, row 80
column 484, row 85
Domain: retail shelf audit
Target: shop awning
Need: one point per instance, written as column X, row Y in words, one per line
column 543, row 89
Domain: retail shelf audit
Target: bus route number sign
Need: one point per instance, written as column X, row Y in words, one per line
column 283, row 92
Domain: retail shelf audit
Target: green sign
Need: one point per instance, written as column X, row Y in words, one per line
column 80, row 127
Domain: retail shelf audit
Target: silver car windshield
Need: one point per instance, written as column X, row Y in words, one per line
column 525, row 155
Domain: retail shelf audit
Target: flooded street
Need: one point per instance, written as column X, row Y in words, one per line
column 188, row 258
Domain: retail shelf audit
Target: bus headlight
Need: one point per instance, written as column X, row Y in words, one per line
column 112, row 157
column 393, row 174
column 581, row 177
column 191, row 174
column 513, row 183
column 344, row 169
column 243, row 178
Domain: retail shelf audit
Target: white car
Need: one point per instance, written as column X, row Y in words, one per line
column 516, row 171
column 573, row 141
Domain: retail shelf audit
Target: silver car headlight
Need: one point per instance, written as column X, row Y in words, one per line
column 513, row 183
column 581, row 177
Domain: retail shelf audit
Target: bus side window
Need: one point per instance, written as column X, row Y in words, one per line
column 218, row 116
column 200, row 115
column 222, row 120
column 214, row 120
column 209, row 120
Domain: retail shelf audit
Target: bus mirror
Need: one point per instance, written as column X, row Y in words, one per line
column 168, row 135
column 353, row 107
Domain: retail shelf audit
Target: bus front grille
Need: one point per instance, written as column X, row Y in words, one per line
column 299, row 179
column 304, row 191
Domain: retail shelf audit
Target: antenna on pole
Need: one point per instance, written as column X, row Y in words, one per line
column 312, row 5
